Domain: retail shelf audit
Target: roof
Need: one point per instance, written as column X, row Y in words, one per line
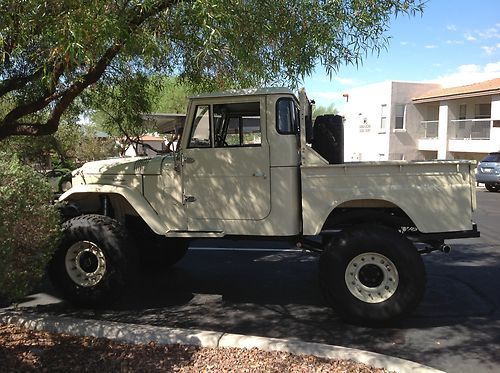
column 247, row 92
column 486, row 88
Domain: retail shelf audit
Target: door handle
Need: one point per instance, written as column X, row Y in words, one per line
column 259, row 174
column 187, row 160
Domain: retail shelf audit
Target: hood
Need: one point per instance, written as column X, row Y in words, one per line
column 127, row 166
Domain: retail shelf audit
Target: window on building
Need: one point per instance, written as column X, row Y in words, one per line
column 383, row 118
column 287, row 116
column 482, row 111
column 237, row 124
column 400, row 114
column 462, row 114
column 433, row 112
column 200, row 132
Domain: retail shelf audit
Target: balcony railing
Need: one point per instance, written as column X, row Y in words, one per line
column 470, row 129
column 429, row 129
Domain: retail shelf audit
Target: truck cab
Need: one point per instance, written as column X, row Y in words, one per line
column 240, row 164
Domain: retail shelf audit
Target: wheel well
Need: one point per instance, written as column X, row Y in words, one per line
column 389, row 216
column 112, row 205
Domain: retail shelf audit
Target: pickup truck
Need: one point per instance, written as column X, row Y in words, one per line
column 252, row 164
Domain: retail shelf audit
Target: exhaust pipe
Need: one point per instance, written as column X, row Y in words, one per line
column 445, row 248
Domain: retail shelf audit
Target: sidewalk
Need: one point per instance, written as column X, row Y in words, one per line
column 144, row 334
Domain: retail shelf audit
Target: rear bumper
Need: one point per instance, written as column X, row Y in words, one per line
column 487, row 178
column 428, row 237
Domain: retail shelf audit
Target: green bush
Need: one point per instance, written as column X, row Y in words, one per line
column 29, row 227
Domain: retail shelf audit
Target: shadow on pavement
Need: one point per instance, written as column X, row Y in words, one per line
column 276, row 294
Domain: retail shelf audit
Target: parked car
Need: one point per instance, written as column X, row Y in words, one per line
column 488, row 172
column 59, row 179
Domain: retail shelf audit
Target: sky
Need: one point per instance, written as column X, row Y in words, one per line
column 454, row 42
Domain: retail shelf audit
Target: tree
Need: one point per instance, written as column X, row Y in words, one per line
column 322, row 110
column 122, row 117
column 70, row 147
column 29, row 227
column 171, row 96
column 52, row 52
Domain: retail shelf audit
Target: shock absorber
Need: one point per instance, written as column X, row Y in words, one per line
column 106, row 207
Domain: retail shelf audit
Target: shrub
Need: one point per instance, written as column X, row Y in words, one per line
column 29, row 227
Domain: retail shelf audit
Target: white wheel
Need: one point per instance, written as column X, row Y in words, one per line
column 85, row 263
column 371, row 274
column 95, row 261
column 372, row 277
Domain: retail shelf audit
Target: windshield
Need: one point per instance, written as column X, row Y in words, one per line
column 494, row 157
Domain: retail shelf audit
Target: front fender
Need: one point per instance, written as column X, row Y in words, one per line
column 136, row 201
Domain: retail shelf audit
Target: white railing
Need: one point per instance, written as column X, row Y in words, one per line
column 470, row 129
column 429, row 129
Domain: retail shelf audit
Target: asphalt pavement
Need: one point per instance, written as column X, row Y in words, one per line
column 267, row 289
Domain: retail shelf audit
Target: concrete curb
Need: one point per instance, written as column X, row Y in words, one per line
column 143, row 334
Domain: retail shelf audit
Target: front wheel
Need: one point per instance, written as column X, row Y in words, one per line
column 492, row 187
column 94, row 261
column 371, row 274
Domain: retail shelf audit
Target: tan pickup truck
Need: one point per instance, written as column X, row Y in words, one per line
column 251, row 164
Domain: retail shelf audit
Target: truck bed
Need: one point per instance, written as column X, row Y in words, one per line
column 438, row 196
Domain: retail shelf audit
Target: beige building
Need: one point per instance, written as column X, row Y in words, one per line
column 414, row 121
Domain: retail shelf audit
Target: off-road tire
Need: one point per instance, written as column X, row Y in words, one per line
column 492, row 187
column 109, row 255
column 397, row 281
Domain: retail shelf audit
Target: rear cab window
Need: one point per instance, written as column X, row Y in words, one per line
column 287, row 116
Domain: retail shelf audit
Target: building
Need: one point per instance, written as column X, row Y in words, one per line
column 416, row 121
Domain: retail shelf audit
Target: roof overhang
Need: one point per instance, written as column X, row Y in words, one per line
column 164, row 123
column 455, row 96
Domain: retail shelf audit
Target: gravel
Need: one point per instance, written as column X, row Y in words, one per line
column 24, row 350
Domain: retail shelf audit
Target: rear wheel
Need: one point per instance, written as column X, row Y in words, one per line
column 94, row 262
column 492, row 187
column 371, row 274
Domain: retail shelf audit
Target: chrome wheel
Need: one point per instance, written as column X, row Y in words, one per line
column 371, row 277
column 85, row 263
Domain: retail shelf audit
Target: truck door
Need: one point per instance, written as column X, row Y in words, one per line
column 225, row 163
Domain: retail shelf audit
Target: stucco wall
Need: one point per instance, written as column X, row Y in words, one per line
column 403, row 143
column 364, row 139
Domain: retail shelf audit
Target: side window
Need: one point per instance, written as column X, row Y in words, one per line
column 287, row 117
column 237, row 124
column 200, row 132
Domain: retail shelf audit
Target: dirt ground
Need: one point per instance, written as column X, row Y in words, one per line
column 23, row 350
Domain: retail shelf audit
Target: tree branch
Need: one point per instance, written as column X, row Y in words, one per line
column 18, row 82
column 12, row 126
